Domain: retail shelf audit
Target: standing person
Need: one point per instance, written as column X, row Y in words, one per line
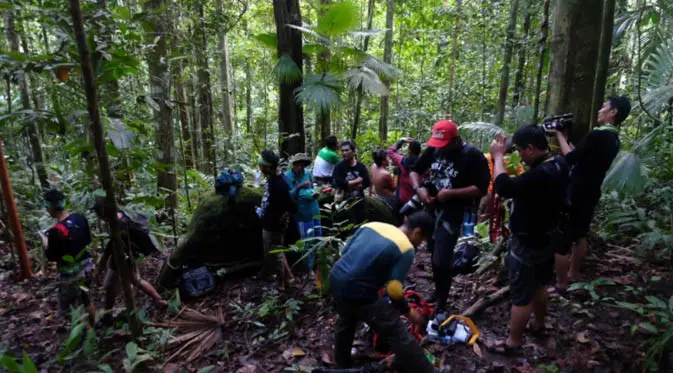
column 382, row 180
column 301, row 190
column 459, row 176
column 66, row 244
column 378, row 255
column 405, row 190
column 351, row 178
column 326, row 160
column 136, row 240
column 591, row 160
column 538, row 197
column 276, row 210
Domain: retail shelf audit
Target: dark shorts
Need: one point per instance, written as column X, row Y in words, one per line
column 576, row 223
column 526, row 276
column 73, row 289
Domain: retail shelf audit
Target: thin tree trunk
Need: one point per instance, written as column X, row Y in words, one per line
column 205, row 98
column 160, row 92
column 290, row 114
column 33, row 128
column 90, row 88
column 387, row 58
column 195, row 125
column 183, row 104
column 454, row 55
column 225, row 79
column 248, row 90
column 520, row 76
column 323, row 126
column 544, row 32
column 504, row 78
column 575, row 41
column 603, row 62
column 360, row 92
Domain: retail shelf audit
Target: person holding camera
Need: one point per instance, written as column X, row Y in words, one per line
column 458, row 177
column 538, row 198
column 591, row 160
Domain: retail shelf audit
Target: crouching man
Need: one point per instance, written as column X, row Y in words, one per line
column 379, row 255
column 538, row 196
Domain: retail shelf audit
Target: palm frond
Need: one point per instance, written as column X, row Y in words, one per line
column 367, row 79
column 307, row 30
column 627, row 174
column 385, row 70
column 200, row 332
column 364, row 33
column 320, row 92
column 659, row 69
column 286, row 70
column 480, row 130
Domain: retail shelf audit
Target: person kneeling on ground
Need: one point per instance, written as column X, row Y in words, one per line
column 379, row 255
column 538, row 196
column 66, row 243
column 135, row 241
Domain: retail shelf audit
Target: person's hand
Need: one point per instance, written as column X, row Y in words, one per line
column 444, row 194
column 497, row 148
column 303, row 185
column 416, row 318
column 424, row 196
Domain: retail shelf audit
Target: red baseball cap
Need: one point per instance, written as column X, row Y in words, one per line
column 442, row 133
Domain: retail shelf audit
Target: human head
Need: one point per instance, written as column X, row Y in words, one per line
column 268, row 162
column 418, row 227
column 299, row 162
column 54, row 200
column 531, row 143
column 348, row 149
column 414, row 149
column 614, row 110
column 332, row 142
column 444, row 136
column 380, row 158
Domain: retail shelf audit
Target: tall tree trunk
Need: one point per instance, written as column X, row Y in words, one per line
column 290, row 114
column 32, row 127
column 183, row 104
column 387, row 58
column 360, row 92
column 90, row 88
column 454, row 55
column 323, row 126
column 520, row 76
column 192, row 94
column 248, row 89
column 605, row 47
column 205, row 98
column 575, row 40
column 504, row 78
column 225, row 78
column 544, row 33
column 160, row 92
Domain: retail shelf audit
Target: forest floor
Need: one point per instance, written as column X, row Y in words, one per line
column 272, row 331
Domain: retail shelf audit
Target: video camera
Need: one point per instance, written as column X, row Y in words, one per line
column 563, row 122
column 415, row 202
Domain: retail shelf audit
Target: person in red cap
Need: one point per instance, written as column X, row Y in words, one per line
column 458, row 178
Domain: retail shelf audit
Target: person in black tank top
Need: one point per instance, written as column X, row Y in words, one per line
column 66, row 244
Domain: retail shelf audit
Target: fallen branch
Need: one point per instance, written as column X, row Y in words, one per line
column 486, row 301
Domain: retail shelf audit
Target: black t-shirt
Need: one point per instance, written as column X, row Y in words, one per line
column 68, row 237
column 591, row 160
column 454, row 169
column 343, row 173
column 276, row 202
column 538, row 196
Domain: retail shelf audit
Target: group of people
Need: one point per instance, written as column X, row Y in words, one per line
column 552, row 207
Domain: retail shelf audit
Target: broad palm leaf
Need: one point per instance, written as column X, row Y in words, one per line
column 320, row 92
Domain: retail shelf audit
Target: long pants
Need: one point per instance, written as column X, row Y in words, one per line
column 443, row 242
column 384, row 319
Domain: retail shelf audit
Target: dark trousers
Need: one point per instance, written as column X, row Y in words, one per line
column 384, row 319
column 443, row 242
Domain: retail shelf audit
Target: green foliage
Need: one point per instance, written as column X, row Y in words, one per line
column 286, row 70
column 320, row 93
column 12, row 366
column 82, row 339
column 339, row 17
column 591, row 289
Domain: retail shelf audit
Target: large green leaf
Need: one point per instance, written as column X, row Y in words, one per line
column 269, row 40
column 627, row 174
column 320, row 92
column 286, row 70
column 367, row 79
column 338, row 19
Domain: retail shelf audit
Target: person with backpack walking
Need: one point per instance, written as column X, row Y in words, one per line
column 137, row 240
column 66, row 244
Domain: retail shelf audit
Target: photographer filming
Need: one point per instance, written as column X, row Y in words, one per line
column 591, row 160
column 459, row 173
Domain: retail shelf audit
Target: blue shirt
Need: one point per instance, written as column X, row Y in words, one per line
column 307, row 205
column 376, row 254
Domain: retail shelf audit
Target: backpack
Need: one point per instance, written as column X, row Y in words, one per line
column 228, row 182
column 196, row 282
column 78, row 237
column 465, row 256
column 140, row 237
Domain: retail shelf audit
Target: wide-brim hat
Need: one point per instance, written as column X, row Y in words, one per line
column 300, row 157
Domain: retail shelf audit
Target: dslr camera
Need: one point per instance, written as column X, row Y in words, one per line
column 415, row 202
column 561, row 123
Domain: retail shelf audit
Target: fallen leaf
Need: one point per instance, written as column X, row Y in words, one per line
column 477, row 351
column 298, row 352
column 326, row 358
column 582, row 337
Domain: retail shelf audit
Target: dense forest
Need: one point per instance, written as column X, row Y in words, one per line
column 149, row 99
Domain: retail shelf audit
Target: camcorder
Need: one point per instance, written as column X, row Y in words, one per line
column 561, row 123
column 415, row 202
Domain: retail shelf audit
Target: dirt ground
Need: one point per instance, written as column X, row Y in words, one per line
column 586, row 334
